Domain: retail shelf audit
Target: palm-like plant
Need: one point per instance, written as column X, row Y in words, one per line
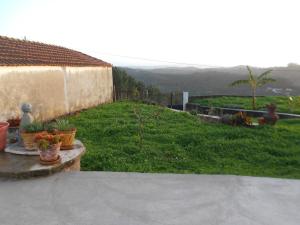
column 254, row 81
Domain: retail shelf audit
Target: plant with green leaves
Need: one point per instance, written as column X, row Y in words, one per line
column 293, row 102
column 68, row 131
column 254, row 81
column 194, row 112
column 141, row 124
column 33, row 127
column 45, row 141
column 63, row 125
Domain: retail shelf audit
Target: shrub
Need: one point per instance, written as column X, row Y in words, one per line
column 238, row 119
column 34, row 127
column 62, row 125
column 194, row 112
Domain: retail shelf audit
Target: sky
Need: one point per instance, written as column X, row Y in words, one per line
column 205, row 33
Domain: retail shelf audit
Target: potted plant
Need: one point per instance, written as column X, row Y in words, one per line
column 48, row 146
column 3, row 134
column 29, row 132
column 238, row 119
column 270, row 117
column 13, row 129
column 67, row 132
column 241, row 119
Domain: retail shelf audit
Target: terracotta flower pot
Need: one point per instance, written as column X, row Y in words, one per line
column 3, row 134
column 67, row 139
column 28, row 140
column 51, row 154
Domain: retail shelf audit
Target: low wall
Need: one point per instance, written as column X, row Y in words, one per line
column 191, row 98
column 52, row 90
column 253, row 113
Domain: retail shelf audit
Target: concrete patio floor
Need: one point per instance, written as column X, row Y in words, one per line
column 92, row 198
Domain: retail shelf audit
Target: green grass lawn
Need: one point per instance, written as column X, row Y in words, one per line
column 246, row 103
column 180, row 143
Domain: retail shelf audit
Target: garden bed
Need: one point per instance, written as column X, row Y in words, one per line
column 220, row 111
column 284, row 105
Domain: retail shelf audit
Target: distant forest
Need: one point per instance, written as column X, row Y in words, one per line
column 215, row 81
column 127, row 87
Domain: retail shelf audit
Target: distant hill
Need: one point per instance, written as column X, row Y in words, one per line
column 215, row 81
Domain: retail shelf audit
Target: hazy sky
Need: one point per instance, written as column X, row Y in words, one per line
column 205, row 32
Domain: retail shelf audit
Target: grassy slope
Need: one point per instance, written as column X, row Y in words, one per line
column 180, row 143
column 246, row 103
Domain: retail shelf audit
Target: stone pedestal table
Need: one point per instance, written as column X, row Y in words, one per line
column 17, row 162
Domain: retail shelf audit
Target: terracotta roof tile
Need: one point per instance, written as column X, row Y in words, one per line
column 15, row 52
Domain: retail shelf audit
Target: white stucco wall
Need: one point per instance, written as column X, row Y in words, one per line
column 53, row 90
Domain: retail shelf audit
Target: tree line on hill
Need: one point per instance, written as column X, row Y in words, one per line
column 214, row 81
column 127, row 87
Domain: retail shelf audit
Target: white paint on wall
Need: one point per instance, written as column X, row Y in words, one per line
column 66, row 90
